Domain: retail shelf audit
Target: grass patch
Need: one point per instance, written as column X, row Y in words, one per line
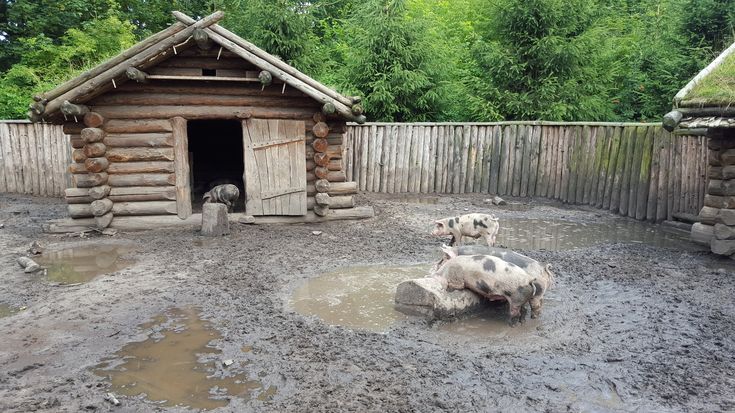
column 718, row 87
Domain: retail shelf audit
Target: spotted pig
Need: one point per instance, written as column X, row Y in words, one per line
column 223, row 194
column 542, row 273
column 470, row 225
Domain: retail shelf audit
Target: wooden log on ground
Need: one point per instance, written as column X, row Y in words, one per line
column 90, row 180
column 96, row 164
column 92, row 135
column 140, row 154
column 141, row 167
column 214, row 220
column 147, row 179
column 101, row 207
column 144, row 208
column 93, row 120
column 94, row 150
column 99, row 192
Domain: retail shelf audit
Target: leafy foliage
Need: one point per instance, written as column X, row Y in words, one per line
column 411, row 60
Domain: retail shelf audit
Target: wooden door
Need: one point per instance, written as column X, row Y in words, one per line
column 275, row 166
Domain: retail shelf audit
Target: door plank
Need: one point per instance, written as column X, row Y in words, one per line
column 251, row 178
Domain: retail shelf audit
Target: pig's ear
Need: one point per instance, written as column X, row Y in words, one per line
column 448, row 251
column 438, row 223
column 549, row 274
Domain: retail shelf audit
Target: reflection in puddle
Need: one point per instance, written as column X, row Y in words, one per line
column 7, row 311
column 176, row 367
column 357, row 297
column 556, row 235
column 81, row 264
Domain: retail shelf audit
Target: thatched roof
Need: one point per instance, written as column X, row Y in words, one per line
column 708, row 100
column 49, row 106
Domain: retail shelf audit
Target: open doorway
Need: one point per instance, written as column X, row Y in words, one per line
column 215, row 158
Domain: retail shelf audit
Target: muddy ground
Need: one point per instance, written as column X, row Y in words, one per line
column 628, row 327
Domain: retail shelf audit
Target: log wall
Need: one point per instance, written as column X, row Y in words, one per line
column 635, row 170
column 33, row 158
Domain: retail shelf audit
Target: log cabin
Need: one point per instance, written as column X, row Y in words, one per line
column 706, row 106
column 193, row 106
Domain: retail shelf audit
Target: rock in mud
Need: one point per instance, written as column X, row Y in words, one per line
column 28, row 264
column 426, row 296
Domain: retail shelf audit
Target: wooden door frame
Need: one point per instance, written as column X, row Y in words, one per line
column 181, row 166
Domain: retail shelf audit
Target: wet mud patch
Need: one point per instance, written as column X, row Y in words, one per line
column 356, row 297
column 81, row 263
column 560, row 235
column 177, row 365
column 7, row 310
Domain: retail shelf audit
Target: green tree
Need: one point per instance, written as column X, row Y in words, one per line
column 389, row 64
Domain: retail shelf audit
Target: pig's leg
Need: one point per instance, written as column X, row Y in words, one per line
column 524, row 311
column 452, row 241
column 515, row 313
column 489, row 239
column 536, row 303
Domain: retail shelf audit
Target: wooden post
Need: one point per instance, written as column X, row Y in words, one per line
column 181, row 167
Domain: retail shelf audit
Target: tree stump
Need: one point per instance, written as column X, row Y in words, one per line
column 214, row 220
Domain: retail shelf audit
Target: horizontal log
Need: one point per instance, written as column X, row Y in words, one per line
column 75, row 192
column 139, row 140
column 94, row 150
column 718, row 144
column 92, row 135
column 89, row 180
column 78, row 156
column 140, row 154
column 708, row 215
column 334, row 165
column 202, row 98
column 141, row 167
column 73, row 128
column 715, row 201
column 727, row 157
column 76, row 141
column 221, row 89
column 96, row 164
column 79, row 210
column 202, row 112
column 77, row 168
column 721, row 187
column 333, row 152
column 144, row 208
column 78, row 199
column 335, row 202
column 143, row 193
column 702, row 233
column 335, row 188
column 332, row 176
column 142, row 180
column 141, row 223
column 137, row 126
column 198, row 62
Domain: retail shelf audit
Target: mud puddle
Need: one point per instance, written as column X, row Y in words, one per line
column 491, row 323
column 356, row 297
column 84, row 262
column 176, row 366
column 7, row 311
column 558, row 235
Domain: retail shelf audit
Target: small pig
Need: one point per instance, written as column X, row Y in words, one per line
column 493, row 279
column 223, row 194
column 542, row 273
column 470, row 225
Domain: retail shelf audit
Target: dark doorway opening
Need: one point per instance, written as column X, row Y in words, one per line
column 215, row 158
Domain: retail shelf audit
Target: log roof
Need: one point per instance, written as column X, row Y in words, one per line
column 708, row 100
column 49, row 106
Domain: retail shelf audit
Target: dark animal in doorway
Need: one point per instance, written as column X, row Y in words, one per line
column 224, row 194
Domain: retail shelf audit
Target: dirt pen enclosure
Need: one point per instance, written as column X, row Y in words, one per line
column 301, row 318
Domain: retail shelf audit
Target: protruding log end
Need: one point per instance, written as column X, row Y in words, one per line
column 321, row 199
column 202, row 39
column 357, row 109
column 355, row 99
column 321, row 159
column 103, row 221
column 137, row 75
column 319, row 117
column 321, row 210
column 329, row 108
column 322, row 186
column 96, row 164
column 92, row 135
column 101, row 206
column 672, row 119
column 71, row 109
column 265, row 77
column 320, row 145
column 93, row 120
column 99, row 192
column 361, row 119
column 321, row 172
column 95, row 150
column 320, row 130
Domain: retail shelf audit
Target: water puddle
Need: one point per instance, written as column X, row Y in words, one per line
column 557, row 235
column 356, row 297
column 490, row 323
column 82, row 263
column 7, row 311
column 176, row 366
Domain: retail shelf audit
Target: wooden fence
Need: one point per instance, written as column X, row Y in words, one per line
column 638, row 170
column 34, row 158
